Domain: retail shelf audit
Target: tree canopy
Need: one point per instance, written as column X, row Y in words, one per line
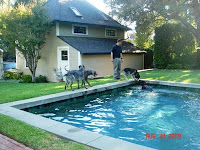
column 25, row 30
column 28, row 2
column 143, row 37
column 174, row 47
column 151, row 12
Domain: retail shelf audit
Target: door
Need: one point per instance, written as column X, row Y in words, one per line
column 63, row 59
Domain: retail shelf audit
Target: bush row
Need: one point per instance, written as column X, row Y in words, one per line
column 24, row 78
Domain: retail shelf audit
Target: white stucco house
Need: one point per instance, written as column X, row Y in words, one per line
column 82, row 34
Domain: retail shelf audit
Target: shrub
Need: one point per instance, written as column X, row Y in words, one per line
column 174, row 66
column 174, row 44
column 12, row 75
column 189, row 66
column 26, row 79
column 41, row 79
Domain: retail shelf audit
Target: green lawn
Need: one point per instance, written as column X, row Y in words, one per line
column 40, row 139
column 35, row 138
column 13, row 91
column 23, row 90
column 187, row 76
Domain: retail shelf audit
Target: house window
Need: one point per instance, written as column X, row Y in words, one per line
column 26, row 63
column 79, row 29
column 64, row 55
column 111, row 32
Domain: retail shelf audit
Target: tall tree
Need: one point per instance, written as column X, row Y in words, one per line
column 174, row 47
column 1, row 3
column 28, row 2
column 186, row 12
column 143, row 37
column 6, row 4
column 25, row 29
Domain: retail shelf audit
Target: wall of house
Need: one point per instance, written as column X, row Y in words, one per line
column 93, row 31
column 103, row 65
column 48, row 59
column 100, row 63
column 73, row 58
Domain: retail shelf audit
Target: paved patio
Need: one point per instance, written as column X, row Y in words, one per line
column 9, row 144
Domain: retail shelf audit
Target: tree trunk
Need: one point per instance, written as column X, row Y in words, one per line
column 33, row 75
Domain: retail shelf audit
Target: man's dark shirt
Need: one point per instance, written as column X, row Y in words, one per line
column 116, row 50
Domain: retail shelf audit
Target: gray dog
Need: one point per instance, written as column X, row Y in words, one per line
column 75, row 75
column 133, row 72
column 69, row 78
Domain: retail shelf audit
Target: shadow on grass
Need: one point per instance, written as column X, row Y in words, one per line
column 187, row 76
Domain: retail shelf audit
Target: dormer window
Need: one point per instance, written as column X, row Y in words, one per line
column 76, row 12
column 80, row 29
column 111, row 32
column 103, row 16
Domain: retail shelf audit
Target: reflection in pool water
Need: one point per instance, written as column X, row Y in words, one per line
column 132, row 113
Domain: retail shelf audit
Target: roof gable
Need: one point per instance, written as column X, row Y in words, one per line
column 60, row 10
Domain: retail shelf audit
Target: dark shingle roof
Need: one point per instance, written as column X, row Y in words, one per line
column 88, row 45
column 59, row 10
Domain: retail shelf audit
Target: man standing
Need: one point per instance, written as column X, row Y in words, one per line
column 116, row 58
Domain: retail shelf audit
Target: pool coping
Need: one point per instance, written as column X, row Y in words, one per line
column 173, row 83
column 73, row 133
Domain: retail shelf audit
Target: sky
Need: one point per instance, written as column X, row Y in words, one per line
column 100, row 5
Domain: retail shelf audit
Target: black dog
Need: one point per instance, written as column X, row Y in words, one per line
column 133, row 72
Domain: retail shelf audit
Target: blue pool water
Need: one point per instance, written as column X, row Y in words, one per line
column 130, row 113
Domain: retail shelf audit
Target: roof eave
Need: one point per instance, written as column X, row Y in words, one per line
column 134, row 53
column 70, row 22
column 139, row 53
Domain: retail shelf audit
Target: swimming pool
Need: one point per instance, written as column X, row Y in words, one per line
column 131, row 114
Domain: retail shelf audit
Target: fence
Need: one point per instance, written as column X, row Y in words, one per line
column 148, row 59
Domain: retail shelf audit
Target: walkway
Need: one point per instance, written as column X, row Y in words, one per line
column 9, row 144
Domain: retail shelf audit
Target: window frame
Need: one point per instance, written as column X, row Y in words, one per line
column 110, row 29
column 79, row 26
column 62, row 55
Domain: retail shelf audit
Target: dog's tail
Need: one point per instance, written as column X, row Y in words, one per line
column 65, row 75
column 66, row 69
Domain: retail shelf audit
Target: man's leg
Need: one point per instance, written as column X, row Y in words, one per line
column 118, row 68
column 115, row 69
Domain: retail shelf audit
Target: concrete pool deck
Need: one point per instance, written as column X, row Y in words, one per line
column 173, row 83
column 70, row 132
